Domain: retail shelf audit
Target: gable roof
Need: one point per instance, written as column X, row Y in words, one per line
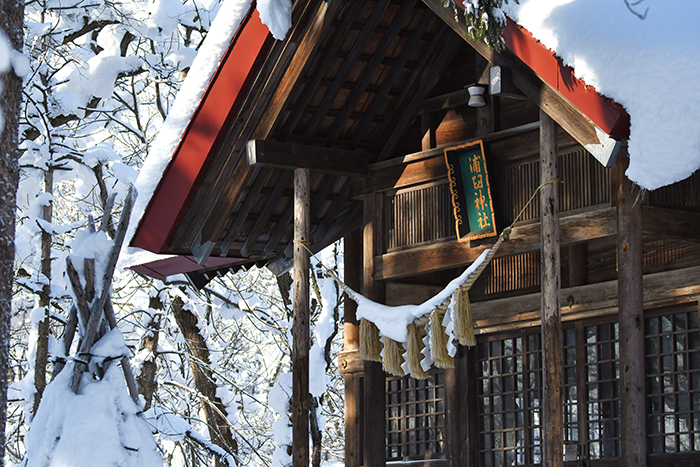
column 354, row 92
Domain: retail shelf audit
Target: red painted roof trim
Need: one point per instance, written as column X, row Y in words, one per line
column 610, row 116
column 163, row 268
column 227, row 89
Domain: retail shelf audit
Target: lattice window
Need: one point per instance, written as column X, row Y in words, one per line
column 509, row 395
column 571, row 429
column 415, row 417
column 602, row 373
column 673, row 382
column 509, row 413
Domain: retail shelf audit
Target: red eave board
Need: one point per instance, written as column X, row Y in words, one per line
column 607, row 114
column 227, row 89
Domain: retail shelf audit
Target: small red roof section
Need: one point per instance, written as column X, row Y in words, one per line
column 607, row 114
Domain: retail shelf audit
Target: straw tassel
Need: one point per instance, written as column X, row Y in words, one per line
column 414, row 345
column 439, row 339
column 392, row 357
column 463, row 322
column 370, row 344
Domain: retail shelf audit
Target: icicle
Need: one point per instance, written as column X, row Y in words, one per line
column 439, row 339
column 414, row 345
column 370, row 344
column 464, row 325
column 392, row 357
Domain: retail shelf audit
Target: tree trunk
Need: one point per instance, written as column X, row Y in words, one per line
column 42, row 344
column 219, row 430
column 12, row 14
column 146, row 380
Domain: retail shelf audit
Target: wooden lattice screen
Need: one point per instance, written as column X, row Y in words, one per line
column 415, row 417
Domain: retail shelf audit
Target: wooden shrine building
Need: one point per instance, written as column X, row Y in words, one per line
column 363, row 97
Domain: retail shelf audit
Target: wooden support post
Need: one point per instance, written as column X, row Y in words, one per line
column 485, row 116
column 427, row 130
column 631, row 318
column 300, row 328
column 374, row 436
column 352, row 343
column 469, row 422
column 352, row 279
column 551, row 284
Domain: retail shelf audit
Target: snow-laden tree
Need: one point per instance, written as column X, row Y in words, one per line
column 102, row 78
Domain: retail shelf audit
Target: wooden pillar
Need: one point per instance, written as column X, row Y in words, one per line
column 551, row 309
column 374, row 436
column 300, row 327
column 486, row 115
column 631, row 318
column 352, row 343
column 427, row 130
column 352, row 259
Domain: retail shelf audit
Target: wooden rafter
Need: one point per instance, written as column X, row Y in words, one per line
column 370, row 70
column 396, row 124
column 310, row 90
column 273, row 154
column 386, row 86
column 348, row 64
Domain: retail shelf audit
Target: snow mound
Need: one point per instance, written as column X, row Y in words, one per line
column 98, row 427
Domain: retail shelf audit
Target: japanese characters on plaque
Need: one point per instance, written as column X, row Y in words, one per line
column 471, row 195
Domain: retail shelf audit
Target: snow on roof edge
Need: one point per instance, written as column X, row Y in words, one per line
column 645, row 65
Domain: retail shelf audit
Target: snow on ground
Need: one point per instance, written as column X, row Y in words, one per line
column 648, row 65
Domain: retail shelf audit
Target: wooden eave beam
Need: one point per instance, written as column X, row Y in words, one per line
column 577, row 227
column 445, row 101
column 660, row 289
column 549, row 99
column 419, row 167
column 262, row 153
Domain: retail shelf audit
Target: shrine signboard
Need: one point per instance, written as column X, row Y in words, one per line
column 471, row 194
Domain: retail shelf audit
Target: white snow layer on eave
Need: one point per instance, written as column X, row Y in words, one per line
column 650, row 66
column 188, row 98
column 393, row 321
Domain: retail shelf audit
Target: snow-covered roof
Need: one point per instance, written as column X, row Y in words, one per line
column 622, row 56
column 646, row 58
